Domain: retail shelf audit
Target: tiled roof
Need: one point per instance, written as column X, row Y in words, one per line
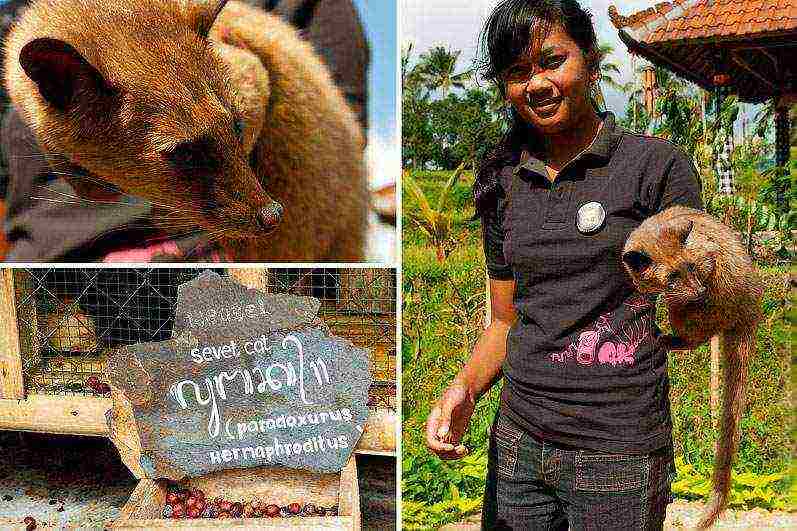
column 699, row 19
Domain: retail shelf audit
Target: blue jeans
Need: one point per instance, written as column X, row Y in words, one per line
column 532, row 484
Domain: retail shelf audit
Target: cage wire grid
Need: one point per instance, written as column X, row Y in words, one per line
column 70, row 320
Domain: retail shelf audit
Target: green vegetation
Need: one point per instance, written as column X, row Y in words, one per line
column 443, row 313
column 449, row 122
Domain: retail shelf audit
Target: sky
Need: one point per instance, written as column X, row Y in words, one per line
column 384, row 149
column 455, row 24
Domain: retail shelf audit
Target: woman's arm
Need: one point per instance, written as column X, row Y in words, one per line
column 484, row 366
column 448, row 421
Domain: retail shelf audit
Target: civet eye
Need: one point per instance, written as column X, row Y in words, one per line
column 192, row 156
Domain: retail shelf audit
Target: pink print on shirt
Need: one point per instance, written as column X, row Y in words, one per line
column 624, row 344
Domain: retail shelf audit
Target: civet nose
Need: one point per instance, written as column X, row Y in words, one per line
column 270, row 216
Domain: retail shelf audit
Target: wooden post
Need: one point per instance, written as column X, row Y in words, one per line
column 650, row 86
column 714, row 385
column 11, row 382
column 72, row 415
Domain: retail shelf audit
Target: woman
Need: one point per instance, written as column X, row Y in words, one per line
column 583, row 435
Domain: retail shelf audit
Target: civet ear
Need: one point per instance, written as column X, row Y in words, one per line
column 686, row 231
column 203, row 13
column 63, row 76
column 637, row 261
column 708, row 263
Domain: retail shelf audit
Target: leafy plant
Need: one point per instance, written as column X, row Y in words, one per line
column 436, row 492
column 748, row 489
column 434, row 222
column 750, row 216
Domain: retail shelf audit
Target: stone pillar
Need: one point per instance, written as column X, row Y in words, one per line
column 723, row 148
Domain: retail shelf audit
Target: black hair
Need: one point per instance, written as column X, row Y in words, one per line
column 514, row 27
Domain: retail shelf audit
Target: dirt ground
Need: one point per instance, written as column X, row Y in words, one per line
column 684, row 514
column 69, row 482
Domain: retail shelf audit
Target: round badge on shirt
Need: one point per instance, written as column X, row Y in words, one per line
column 590, row 217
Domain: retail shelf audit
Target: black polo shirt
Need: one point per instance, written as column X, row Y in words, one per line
column 582, row 368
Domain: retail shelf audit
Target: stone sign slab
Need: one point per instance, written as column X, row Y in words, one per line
column 250, row 379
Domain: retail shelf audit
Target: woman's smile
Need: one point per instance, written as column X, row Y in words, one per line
column 544, row 108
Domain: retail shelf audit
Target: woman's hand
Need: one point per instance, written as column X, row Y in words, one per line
column 448, row 421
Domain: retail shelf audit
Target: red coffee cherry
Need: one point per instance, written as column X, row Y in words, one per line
column 294, row 508
column 272, row 510
column 30, row 523
column 237, row 509
column 178, row 511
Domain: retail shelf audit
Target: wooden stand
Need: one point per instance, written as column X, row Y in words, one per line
column 112, row 417
column 279, row 486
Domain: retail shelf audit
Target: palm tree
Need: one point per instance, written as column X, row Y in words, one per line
column 438, row 66
column 607, row 72
column 406, row 70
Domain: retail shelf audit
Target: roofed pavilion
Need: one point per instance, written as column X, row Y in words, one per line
column 747, row 47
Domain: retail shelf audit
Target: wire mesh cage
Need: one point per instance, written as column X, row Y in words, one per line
column 358, row 304
column 70, row 320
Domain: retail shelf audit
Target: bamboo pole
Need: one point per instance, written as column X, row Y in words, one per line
column 714, row 386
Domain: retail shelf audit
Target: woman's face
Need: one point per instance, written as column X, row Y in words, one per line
column 549, row 85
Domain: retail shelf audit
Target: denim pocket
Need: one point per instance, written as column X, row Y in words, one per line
column 610, row 472
column 507, row 440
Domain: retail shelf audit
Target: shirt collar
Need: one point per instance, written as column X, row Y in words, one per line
column 602, row 147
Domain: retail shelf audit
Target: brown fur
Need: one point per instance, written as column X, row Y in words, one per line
column 152, row 79
column 711, row 288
